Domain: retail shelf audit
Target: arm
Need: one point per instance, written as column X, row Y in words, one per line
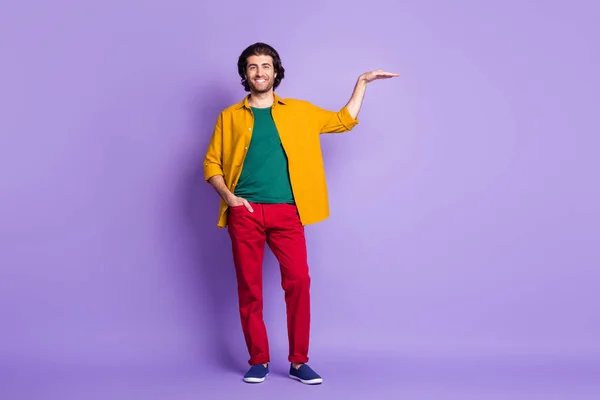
column 213, row 168
column 360, row 88
column 357, row 97
column 213, row 164
column 346, row 118
column 218, row 183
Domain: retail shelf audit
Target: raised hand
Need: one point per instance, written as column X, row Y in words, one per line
column 377, row 74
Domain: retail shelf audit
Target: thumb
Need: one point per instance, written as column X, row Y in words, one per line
column 248, row 206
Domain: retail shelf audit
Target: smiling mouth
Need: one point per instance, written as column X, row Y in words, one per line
column 260, row 80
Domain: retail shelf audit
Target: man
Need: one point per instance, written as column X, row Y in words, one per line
column 264, row 160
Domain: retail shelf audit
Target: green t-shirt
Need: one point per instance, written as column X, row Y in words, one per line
column 265, row 176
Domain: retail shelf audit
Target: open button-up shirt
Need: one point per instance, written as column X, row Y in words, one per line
column 300, row 125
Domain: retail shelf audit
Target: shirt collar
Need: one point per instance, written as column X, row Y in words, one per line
column 244, row 102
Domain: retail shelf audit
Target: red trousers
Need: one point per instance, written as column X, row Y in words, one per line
column 279, row 226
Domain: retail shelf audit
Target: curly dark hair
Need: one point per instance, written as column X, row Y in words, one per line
column 260, row 49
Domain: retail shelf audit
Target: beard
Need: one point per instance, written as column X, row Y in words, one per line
column 263, row 88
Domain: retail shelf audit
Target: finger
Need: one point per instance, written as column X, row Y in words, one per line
column 386, row 76
column 248, row 206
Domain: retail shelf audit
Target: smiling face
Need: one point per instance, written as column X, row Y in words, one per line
column 260, row 73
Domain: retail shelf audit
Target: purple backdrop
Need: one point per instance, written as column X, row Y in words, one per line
column 462, row 252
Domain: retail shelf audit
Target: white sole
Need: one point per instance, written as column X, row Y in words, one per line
column 255, row 380
column 309, row 381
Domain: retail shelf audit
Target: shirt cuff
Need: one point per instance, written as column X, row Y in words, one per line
column 211, row 170
column 347, row 119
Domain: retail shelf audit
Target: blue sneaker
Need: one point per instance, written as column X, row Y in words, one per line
column 305, row 374
column 256, row 373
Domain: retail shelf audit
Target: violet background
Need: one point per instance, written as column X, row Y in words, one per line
column 461, row 256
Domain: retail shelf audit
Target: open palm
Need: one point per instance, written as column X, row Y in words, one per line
column 378, row 74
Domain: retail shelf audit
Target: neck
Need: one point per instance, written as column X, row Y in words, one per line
column 261, row 100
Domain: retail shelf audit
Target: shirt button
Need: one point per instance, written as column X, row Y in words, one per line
column 249, row 129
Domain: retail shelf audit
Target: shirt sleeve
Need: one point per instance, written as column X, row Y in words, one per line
column 214, row 154
column 332, row 121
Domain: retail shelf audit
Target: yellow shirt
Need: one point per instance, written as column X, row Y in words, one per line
column 299, row 124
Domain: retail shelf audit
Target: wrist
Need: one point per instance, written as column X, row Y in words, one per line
column 228, row 197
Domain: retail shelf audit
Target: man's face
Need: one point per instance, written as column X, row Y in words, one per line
column 260, row 73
